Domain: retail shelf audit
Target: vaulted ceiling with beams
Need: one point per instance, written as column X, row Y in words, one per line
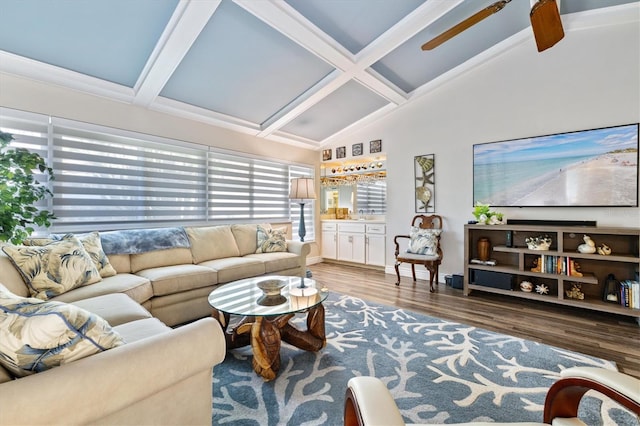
column 298, row 71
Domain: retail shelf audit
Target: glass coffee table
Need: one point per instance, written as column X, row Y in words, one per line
column 266, row 315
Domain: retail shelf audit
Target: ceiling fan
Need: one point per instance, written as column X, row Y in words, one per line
column 545, row 22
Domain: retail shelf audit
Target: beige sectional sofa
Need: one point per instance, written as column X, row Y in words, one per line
column 162, row 375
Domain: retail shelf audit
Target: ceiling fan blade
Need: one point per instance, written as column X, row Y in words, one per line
column 469, row 22
column 546, row 24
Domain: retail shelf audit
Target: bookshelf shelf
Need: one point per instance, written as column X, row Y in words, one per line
column 513, row 264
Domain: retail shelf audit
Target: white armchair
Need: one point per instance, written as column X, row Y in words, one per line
column 369, row 403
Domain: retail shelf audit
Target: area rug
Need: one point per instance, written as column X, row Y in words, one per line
column 438, row 372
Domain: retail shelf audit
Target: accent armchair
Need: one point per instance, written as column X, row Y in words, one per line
column 368, row 402
column 423, row 249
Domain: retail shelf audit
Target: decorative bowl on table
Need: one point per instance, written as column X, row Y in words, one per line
column 271, row 289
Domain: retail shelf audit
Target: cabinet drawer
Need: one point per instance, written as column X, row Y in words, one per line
column 351, row 227
column 329, row 226
column 376, row 228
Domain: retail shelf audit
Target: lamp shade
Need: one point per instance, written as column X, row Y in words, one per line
column 302, row 189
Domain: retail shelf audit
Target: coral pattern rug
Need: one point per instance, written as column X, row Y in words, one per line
column 438, row 372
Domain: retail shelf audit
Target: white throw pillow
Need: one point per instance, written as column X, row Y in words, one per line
column 423, row 241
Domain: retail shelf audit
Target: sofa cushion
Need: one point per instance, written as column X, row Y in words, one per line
column 11, row 277
column 278, row 261
column 178, row 278
column 121, row 263
column 235, row 268
column 212, row 242
column 36, row 335
column 246, row 237
column 271, row 240
column 136, row 287
column 54, row 268
column 114, row 308
column 91, row 243
column 157, row 258
column 141, row 329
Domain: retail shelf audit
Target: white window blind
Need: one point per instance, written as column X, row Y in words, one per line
column 113, row 179
column 245, row 188
column 372, row 197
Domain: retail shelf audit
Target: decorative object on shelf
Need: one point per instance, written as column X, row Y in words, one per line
column 424, row 172
column 485, row 216
column 542, row 289
column 526, row 286
column 537, row 265
column 302, row 190
column 611, row 289
column 574, row 269
column 575, row 292
column 375, row 146
column 604, row 250
column 484, row 248
column 356, row 149
column 326, row 154
column 541, row 242
column 341, row 152
column 589, row 245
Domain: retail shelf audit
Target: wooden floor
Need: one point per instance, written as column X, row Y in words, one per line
column 607, row 336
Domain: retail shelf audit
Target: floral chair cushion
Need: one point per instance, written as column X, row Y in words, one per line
column 36, row 335
column 423, row 241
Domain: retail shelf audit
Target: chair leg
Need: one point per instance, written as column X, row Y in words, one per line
column 397, row 266
column 431, row 270
column 413, row 271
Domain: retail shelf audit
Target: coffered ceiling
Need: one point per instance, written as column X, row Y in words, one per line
column 299, row 71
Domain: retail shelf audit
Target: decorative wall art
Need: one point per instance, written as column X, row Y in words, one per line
column 375, row 146
column 341, row 152
column 597, row 167
column 326, row 154
column 356, row 149
column 424, row 168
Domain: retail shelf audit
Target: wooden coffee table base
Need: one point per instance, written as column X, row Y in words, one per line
column 265, row 334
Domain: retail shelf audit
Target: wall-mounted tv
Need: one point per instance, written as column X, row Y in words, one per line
column 588, row 168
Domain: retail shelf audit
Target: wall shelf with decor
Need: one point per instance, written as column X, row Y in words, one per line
column 565, row 276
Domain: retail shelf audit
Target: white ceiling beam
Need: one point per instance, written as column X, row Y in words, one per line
column 184, row 27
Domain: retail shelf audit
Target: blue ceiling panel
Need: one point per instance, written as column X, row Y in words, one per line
column 108, row 39
column 354, row 23
column 241, row 67
column 409, row 67
column 573, row 6
column 349, row 103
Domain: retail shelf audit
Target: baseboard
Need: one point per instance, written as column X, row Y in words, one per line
column 405, row 271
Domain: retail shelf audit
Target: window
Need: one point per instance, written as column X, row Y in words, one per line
column 111, row 179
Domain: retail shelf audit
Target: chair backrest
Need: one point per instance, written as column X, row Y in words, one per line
column 427, row 222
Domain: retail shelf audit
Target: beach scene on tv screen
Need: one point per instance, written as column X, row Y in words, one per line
column 596, row 167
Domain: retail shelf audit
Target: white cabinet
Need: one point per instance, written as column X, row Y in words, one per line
column 329, row 241
column 375, row 241
column 351, row 242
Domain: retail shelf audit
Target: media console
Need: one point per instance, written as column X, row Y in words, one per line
column 515, row 263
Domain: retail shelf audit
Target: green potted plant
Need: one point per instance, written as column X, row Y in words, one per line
column 20, row 191
column 484, row 214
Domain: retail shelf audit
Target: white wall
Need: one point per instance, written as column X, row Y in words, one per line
column 590, row 79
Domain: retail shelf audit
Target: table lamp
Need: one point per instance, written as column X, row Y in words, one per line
column 302, row 189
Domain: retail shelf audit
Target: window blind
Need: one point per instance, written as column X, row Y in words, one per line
column 372, row 197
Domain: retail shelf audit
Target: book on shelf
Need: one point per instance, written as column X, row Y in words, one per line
column 490, row 262
column 630, row 294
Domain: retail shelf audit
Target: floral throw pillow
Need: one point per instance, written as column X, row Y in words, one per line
column 271, row 240
column 36, row 335
column 91, row 243
column 423, row 241
column 54, row 268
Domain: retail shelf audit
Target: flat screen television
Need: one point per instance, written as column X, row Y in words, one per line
column 588, row 168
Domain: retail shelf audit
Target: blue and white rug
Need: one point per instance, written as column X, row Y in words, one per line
column 438, row 372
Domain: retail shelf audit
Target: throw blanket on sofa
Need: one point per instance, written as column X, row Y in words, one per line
column 143, row 240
